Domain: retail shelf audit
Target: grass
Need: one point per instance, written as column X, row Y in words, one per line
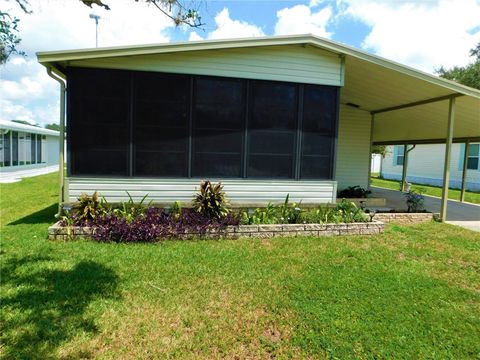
column 454, row 194
column 413, row 292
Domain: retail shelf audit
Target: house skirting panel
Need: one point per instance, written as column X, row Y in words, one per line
column 166, row 191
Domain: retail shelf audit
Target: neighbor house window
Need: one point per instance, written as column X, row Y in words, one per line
column 33, row 148
column 473, row 156
column 2, row 152
column 399, row 155
column 146, row 124
column 7, row 148
column 14, row 148
column 22, row 153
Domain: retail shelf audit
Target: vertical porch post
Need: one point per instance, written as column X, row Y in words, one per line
column 464, row 172
column 448, row 150
column 372, row 122
column 404, row 167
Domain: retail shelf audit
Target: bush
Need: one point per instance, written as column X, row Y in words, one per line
column 415, row 201
column 354, row 192
column 89, row 207
column 211, row 201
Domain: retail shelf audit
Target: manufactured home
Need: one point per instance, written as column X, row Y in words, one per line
column 266, row 116
column 26, row 147
column 425, row 165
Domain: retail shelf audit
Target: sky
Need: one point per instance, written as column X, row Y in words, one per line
column 423, row 34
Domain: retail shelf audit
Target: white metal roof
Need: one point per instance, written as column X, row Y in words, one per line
column 11, row 125
column 371, row 82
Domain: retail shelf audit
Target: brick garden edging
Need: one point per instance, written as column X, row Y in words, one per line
column 58, row 232
column 405, row 218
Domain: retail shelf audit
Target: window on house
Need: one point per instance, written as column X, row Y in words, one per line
column 99, row 121
column 7, row 149
column 2, row 152
column 14, row 148
column 33, row 149
column 218, row 127
column 167, row 125
column 473, row 156
column 399, row 155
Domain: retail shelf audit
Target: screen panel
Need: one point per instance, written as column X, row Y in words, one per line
column 318, row 132
column 272, row 129
column 160, row 124
column 218, row 127
column 99, row 106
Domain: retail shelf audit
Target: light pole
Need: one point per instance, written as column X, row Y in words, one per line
column 96, row 18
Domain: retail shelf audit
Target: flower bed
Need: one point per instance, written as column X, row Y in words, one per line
column 60, row 232
column 209, row 217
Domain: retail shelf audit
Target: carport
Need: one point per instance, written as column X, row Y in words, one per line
column 409, row 107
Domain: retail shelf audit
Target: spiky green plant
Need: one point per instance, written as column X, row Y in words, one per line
column 211, row 201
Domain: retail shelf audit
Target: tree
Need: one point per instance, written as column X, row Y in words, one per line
column 52, row 126
column 380, row 149
column 467, row 75
column 179, row 11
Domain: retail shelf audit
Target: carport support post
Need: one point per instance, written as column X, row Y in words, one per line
column 370, row 151
column 448, row 150
column 464, row 172
column 404, row 167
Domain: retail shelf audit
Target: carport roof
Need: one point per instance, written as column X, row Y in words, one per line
column 409, row 105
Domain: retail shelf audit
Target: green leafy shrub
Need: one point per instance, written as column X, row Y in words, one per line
column 354, row 192
column 290, row 212
column 349, row 212
column 89, row 207
column 211, row 201
column 415, row 201
column 258, row 216
column 131, row 210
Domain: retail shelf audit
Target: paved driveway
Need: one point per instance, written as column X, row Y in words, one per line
column 463, row 214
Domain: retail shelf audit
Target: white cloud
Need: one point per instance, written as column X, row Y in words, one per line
column 26, row 91
column 226, row 27
column 424, row 35
column 300, row 19
column 194, row 37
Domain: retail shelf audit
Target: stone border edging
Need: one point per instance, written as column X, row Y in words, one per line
column 405, row 218
column 57, row 232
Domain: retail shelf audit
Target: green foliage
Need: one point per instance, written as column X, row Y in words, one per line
column 467, row 75
column 292, row 213
column 349, row 212
column 380, row 149
column 131, row 210
column 89, row 207
column 211, row 200
column 52, row 126
column 267, row 215
column 176, row 209
column 415, row 201
column 356, row 192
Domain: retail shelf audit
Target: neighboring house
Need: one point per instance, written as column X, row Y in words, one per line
column 26, row 147
column 376, row 163
column 425, row 165
column 266, row 116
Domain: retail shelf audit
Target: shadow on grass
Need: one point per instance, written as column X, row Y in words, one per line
column 43, row 308
column 46, row 215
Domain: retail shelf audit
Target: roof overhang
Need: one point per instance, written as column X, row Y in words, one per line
column 409, row 105
column 14, row 126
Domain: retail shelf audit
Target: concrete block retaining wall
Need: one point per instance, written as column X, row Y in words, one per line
column 57, row 232
column 405, row 218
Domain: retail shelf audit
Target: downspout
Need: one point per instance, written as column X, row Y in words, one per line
column 61, row 157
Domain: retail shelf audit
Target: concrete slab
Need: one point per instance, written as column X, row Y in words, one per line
column 14, row 176
column 462, row 214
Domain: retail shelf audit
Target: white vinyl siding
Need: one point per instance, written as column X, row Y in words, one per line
column 425, row 165
column 353, row 147
column 293, row 63
column 167, row 191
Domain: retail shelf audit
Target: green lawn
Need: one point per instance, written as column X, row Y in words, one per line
column 473, row 197
column 413, row 292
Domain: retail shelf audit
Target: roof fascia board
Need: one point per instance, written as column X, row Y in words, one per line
column 52, row 57
column 427, row 141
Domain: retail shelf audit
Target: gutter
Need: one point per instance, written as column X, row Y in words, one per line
column 61, row 158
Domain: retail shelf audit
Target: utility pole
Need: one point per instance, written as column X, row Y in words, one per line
column 96, row 18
